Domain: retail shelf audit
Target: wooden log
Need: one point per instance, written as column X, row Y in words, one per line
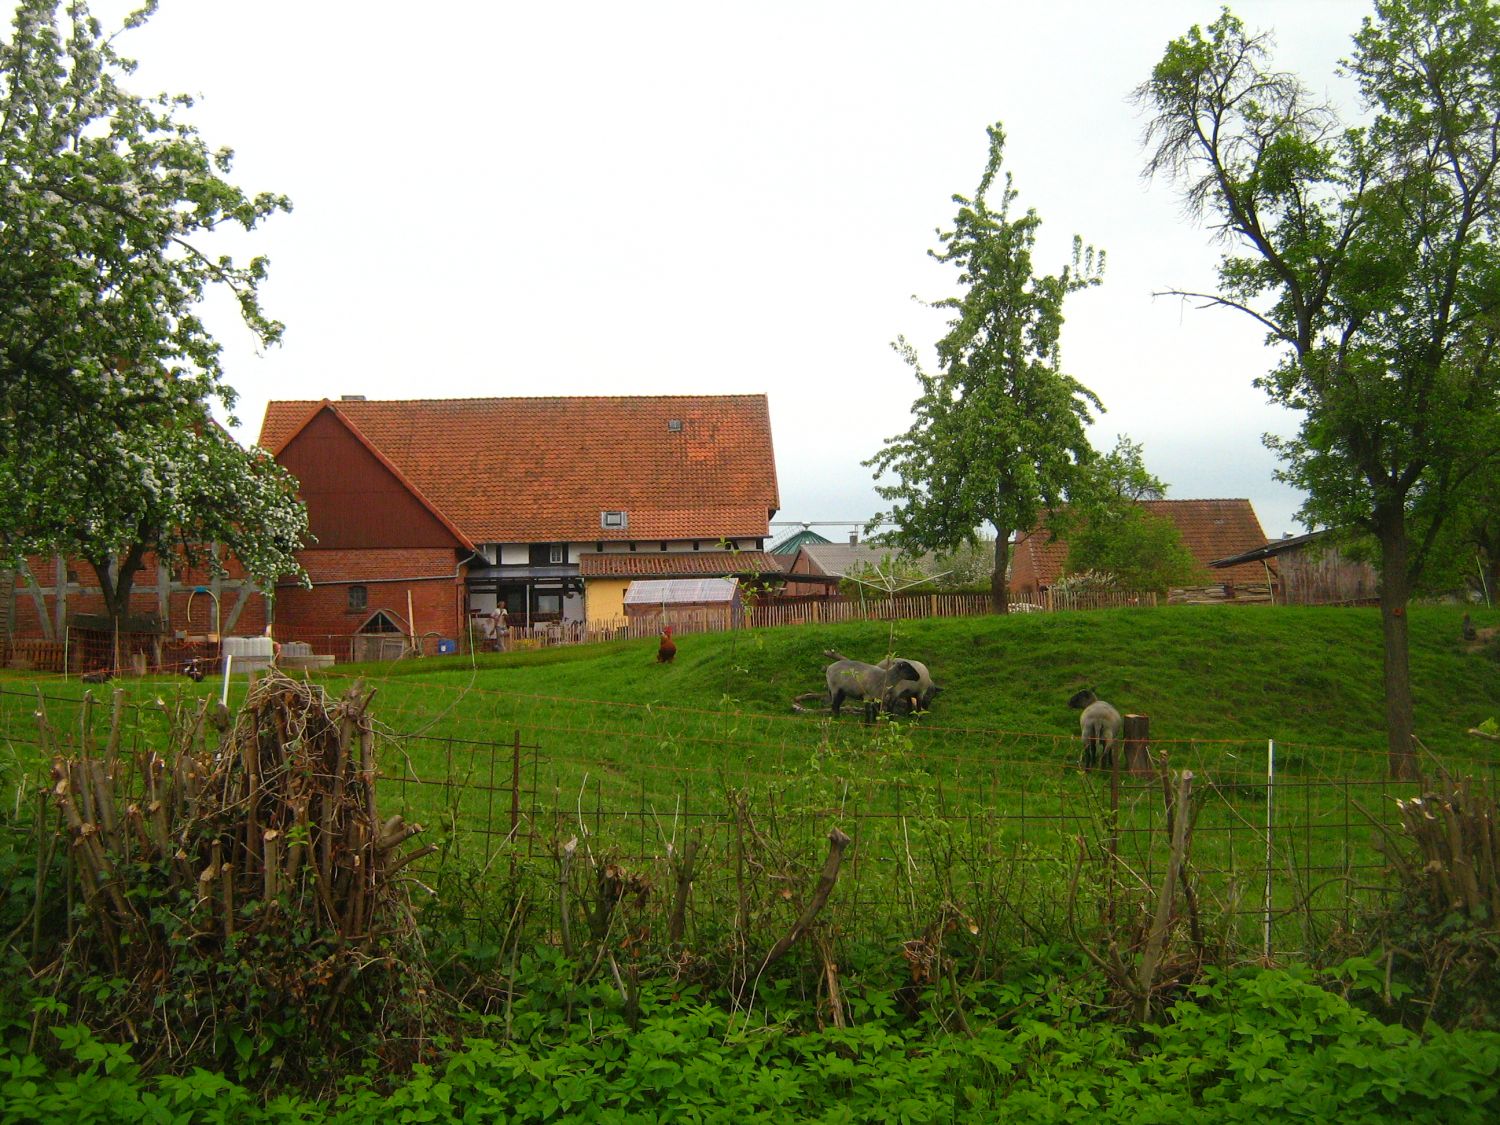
column 837, row 842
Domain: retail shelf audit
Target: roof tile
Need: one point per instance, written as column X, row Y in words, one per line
column 1211, row 529
column 678, row 564
column 507, row 470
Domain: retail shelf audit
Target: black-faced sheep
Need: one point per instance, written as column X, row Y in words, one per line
column 906, row 695
column 873, row 685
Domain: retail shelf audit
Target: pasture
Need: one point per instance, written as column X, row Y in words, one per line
column 978, row 806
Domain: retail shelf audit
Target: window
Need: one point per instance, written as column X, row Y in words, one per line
column 359, row 598
column 557, row 554
column 548, row 605
column 616, row 521
column 674, row 425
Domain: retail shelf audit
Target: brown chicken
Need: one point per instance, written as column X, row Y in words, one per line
column 667, row 649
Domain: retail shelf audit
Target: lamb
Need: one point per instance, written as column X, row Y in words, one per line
column 1100, row 725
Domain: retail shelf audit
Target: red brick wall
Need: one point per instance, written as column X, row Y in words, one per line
column 437, row 604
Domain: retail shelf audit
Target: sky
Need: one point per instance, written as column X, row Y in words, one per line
column 710, row 198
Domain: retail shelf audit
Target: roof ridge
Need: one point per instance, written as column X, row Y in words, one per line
column 521, row 398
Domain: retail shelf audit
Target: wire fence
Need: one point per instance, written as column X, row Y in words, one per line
column 1288, row 841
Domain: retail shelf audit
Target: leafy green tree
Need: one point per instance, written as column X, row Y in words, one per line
column 107, row 206
column 1368, row 253
column 1109, row 533
column 998, row 431
column 1141, row 551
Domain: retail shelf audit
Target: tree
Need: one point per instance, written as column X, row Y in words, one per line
column 205, row 491
column 1139, row 550
column 109, row 202
column 1108, row 531
column 1368, row 254
column 998, row 434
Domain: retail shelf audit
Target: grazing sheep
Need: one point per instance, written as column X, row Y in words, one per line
column 906, row 695
column 1100, row 725
column 873, row 685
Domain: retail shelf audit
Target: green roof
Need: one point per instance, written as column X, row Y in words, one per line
column 796, row 541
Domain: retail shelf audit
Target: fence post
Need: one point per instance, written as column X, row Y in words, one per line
column 515, row 784
column 1270, row 802
column 1137, row 747
column 1113, row 841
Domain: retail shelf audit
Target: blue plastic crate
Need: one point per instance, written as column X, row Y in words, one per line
column 447, row 646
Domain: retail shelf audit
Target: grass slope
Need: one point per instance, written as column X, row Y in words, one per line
column 1302, row 675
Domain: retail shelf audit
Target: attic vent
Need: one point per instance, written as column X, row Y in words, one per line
column 613, row 520
column 675, row 425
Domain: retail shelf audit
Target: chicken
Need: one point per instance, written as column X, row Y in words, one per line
column 667, row 649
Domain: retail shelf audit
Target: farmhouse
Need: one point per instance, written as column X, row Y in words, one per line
column 1211, row 529
column 427, row 511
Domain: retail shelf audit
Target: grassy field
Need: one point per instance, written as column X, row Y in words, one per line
column 618, row 748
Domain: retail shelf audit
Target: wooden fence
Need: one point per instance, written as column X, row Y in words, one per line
column 43, row 655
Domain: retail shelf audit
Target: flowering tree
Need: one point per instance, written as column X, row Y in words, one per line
column 107, row 202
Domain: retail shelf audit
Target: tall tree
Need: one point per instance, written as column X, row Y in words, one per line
column 108, row 202
column 998, row 431
column 1368, row 253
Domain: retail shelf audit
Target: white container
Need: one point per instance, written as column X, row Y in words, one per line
column 251, row 654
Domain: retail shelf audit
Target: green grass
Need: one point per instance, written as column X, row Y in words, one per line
column 619, row 746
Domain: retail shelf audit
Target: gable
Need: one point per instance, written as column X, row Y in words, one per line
column 508, row 470
column 353, row 499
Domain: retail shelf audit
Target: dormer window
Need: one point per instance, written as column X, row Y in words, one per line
column 613, row 521
column 674, row 425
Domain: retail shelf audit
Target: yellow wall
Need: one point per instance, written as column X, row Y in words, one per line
column 604, row 598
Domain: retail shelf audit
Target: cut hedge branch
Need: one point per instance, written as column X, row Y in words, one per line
column 837, row 842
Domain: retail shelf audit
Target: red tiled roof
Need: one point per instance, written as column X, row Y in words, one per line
column 508, row 470
column 679, row 564
column 1211, row 529
column 408, row 564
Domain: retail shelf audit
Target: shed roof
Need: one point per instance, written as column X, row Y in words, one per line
column 680, row 591
column 679, row 564
column 843, row 558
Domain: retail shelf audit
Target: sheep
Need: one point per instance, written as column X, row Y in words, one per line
column 1100, row 725
column 906, row 695
column 851, row 679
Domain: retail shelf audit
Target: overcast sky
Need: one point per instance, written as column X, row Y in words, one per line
column 685, row 198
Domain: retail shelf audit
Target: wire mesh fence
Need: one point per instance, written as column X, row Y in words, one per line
column 1001, row 828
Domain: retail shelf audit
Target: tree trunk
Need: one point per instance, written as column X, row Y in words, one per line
column 115, row 584
column 1395, row 592
column 999, row 588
